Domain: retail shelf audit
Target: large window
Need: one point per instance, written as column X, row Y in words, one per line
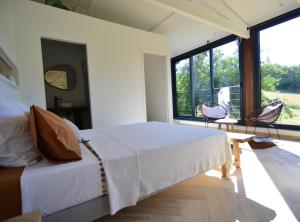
column 279, row 68
column 208, row 74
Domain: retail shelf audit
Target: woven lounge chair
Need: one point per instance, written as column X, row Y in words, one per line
column 266, row 116
column 213, row 112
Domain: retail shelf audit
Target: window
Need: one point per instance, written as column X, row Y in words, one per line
column 183, row 88
column 227, row 78
column 279, row 68
column 208, row 74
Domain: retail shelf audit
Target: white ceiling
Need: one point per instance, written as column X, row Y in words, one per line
column 184, row 33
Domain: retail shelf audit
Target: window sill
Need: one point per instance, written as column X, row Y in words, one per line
column 260, row 131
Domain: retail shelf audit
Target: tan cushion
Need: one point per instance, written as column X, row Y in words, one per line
column 55, row 140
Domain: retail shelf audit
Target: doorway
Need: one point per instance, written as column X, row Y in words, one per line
column 155, row 70
column 66, row 81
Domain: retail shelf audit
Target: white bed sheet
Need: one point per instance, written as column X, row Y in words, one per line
column 54, row 187
column 140, row 159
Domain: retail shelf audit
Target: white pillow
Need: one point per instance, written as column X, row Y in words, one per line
column 74, row 128
column 16, row 146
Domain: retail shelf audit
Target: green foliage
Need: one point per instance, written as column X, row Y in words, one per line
column 269, row 83
column 226, row 70
column 183, row 91
column 275, row 78
column 281, row 79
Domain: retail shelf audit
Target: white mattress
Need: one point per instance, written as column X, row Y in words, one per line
column 140, row 159
column 54, row 187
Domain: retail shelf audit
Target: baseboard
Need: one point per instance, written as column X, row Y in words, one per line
column 260, row 131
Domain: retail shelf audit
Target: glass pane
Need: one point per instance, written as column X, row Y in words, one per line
column 280, row 69
column 227, row 78
column 183, row 88
column 202, row 88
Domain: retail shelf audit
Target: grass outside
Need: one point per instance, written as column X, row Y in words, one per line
column 291, row 105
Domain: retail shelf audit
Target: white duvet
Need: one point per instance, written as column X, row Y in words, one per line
column 140, row 159
column 53, row 187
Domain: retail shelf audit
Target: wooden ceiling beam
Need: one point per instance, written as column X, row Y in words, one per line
column 211, row 12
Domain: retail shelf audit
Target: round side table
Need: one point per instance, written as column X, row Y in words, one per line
column 228, row 122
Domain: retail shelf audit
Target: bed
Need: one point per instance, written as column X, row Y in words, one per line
column 138, row 159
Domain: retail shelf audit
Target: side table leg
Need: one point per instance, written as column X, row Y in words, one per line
column 236, row 153
column 219, row 126
column 231, row 126
column 224, row 170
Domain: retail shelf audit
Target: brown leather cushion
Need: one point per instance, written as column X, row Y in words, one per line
column 53, row 137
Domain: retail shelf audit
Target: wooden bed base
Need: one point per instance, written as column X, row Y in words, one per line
column 84, row 212
column 96, row 208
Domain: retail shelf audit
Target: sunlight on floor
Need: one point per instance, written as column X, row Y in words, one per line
column 260, row 188
column 213, row 173
column 290, row 146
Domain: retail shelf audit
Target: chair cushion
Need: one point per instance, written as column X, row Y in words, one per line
column 215, row 112
column 269, row 108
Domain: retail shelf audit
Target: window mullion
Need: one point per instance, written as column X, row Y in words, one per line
column 211, row 69
column 192, row 86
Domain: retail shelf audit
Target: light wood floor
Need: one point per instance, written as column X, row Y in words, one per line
column 266, row 188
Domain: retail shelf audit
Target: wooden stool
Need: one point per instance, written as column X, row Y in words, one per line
column 236, row 139
column 29, row 217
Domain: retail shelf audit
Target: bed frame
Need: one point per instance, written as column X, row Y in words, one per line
column 96, row 208
column 87, row 211
column 84, row 212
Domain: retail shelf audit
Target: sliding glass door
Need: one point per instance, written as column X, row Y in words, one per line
column 183, row 88
column 280, row 68
column 210, row 75
column 227, row 78
column 201, row 80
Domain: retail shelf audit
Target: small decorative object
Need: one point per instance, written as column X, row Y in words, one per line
column 56, row 3
column 61, row 77
column 66, row 104
column 57, row 79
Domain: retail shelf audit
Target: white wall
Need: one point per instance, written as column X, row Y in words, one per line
column 156, row 90
column 6, row 29
column 115, row 64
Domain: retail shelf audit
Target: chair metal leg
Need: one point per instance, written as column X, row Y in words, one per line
column 254, row 130
column 278, row 136
column 268, row 131
column 246, row 129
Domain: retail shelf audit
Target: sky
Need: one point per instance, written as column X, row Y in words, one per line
column 281, row 43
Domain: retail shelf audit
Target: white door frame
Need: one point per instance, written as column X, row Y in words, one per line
column 167, row 82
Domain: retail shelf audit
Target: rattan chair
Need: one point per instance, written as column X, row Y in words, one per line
column 267, row 116
column 213, row 112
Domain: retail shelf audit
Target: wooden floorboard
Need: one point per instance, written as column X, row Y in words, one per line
column 265, row 188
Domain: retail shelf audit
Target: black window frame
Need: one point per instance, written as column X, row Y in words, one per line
column 189, row 55
column 254, row 33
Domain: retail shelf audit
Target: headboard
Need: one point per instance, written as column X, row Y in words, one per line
column 8, row 90
column 8, row 70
